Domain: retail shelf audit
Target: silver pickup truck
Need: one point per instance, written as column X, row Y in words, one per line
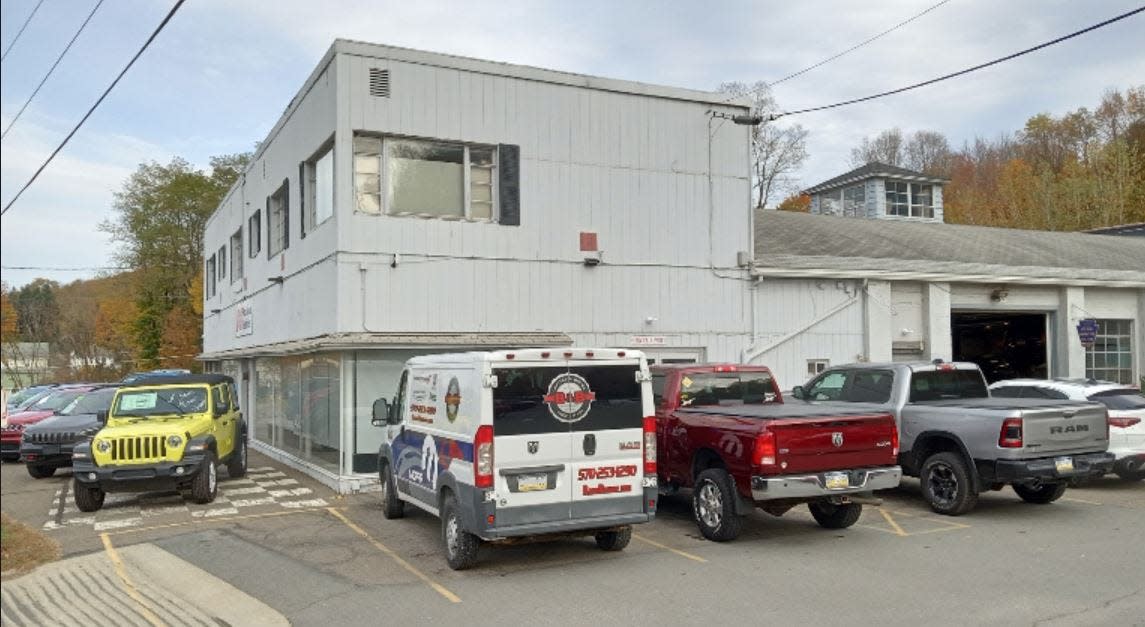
column 959, row 442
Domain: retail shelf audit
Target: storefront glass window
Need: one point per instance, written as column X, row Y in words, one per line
column 297, row 401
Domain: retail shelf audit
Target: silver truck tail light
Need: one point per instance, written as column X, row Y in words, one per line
column 650, row 445
column 483, row 457
column 1011, row 434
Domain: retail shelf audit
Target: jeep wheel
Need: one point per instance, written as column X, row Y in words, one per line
column 1040, row 494
column 947, row 485
column 87, row 498
column 392, row 506
column 831, row 516
column 614, row 540
column 40, row 472
column 460, row 545
column 713, row 506
column 236, row 465
column 205, row 485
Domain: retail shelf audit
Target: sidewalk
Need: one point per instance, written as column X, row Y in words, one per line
column 135, row 585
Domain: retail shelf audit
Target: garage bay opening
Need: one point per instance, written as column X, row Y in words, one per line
column 1004, row 345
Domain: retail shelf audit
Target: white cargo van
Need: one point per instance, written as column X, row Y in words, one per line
column 516, row 443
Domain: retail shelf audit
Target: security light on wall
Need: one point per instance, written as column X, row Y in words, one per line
column 999, row 295
column 276, row 279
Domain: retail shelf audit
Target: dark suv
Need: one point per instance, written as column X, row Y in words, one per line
column 47, row 445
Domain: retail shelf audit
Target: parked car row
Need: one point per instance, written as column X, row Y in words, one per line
column 504, row 445
column 535, row 442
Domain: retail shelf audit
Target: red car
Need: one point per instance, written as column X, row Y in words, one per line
column 44, row 408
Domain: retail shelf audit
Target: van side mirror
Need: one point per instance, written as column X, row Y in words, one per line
column 380, row 415
column 797, row 392
column 101, row 416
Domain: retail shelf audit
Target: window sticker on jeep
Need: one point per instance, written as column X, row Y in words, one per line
column 133, row 402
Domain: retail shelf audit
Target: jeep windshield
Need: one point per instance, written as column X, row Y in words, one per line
column 148, row 402
column 90, row 403
column 727, row 388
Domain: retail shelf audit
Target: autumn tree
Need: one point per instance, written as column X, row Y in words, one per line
column 777, row 151
column 160, row 216
column 796, row 202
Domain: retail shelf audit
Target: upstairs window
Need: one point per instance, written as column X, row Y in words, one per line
column 237, row 256
column 910, row 200
column 254, row 233
column 317, row 190
column 222, row 256
column 278, row 215
column 209, row 277
column 434, row 179
column 855, row 201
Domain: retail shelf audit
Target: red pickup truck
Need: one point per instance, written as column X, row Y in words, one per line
column 724, row 432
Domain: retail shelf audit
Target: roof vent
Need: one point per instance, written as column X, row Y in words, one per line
column 379, row 82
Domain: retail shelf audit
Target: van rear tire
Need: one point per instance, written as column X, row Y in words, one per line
column 460, row 545
column 614, row 540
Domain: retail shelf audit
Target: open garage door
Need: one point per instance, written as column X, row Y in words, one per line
column 1004, row 345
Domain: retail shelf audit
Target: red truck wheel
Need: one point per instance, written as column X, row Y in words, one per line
column 831, row 516
column 713, row 506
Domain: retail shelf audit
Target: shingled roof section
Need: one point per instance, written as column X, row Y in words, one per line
column 805, row 244
column 873, row 169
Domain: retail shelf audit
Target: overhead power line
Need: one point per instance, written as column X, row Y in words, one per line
column 968, row 70
column 858, row 45
column 50, row 70
column 21, row 31
column 65, row 268
column 158, row 29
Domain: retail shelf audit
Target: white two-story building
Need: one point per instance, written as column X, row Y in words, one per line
column 409, row 202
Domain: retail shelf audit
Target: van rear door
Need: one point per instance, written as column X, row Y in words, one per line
column 567, row 441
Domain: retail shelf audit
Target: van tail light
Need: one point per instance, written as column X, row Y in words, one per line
column 1011, row 434
column 650, row 445
column 1123, row 422
column 764, row 454
column 483, row 457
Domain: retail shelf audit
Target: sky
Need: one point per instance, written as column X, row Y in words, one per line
column 218, row 77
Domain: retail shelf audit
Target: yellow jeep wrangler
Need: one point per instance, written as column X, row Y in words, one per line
column 163, row 434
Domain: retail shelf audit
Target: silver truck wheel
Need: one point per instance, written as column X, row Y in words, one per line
column 947, row 484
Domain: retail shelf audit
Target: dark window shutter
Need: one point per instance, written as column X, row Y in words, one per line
column 302, row 199
column 269, row 228
column 509, row 183
column 285, row 214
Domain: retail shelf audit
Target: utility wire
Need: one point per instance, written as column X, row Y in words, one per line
column 21, row 31
column 170, row 14
column 65, row 268
column 968, row 70
column 50, row 70
column 857, row 46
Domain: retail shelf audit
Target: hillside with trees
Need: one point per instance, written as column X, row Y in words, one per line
column 1081, row 170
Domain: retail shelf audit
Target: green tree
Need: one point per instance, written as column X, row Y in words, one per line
column 160, row 215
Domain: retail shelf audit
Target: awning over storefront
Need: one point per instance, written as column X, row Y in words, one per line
column 351, row 341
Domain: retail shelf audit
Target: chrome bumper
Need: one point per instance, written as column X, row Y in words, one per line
column 811, row 486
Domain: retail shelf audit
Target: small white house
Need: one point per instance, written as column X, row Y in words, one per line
column 410, row 202
column 878, row 190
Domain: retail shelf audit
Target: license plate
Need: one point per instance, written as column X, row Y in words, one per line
column 837, row 480
column 1064, row 465
column 532, row 483
column 51, row 449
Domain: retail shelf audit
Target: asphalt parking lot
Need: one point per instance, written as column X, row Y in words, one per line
column 288, row 549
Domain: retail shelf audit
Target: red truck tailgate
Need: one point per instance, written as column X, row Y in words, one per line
column 834, row 442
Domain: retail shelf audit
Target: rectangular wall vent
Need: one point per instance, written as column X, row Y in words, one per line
column 379, row 82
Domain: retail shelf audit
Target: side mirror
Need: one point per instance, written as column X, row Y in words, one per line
column 797, row 392
column 380, row 415
column 101, row 416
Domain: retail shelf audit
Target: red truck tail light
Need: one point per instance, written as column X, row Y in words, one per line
column 895, row 443
column 483, row 457
column 1011, row 434
column 764, row 454
column 1123, row 422
column 650, row 445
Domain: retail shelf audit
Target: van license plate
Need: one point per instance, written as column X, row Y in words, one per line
column 1064, row 465
column 837, row 480
column 532, row 483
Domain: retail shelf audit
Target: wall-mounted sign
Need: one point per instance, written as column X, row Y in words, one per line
column 244, row 319
column 1087, row 332
column 647, row 340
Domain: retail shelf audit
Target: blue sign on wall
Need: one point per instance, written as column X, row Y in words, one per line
column 1087, row 331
